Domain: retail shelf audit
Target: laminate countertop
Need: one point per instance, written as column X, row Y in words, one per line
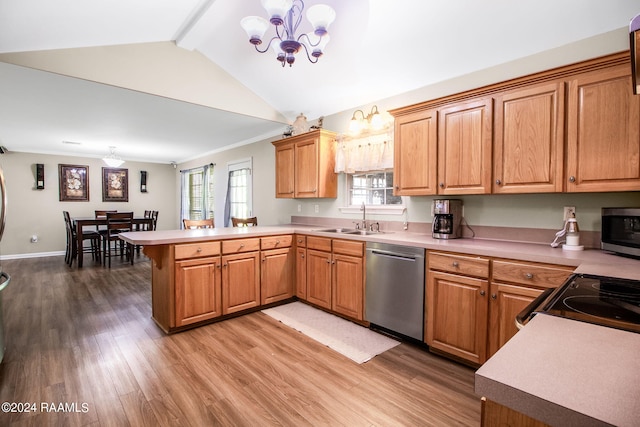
column 590, row 261
column 560, row 371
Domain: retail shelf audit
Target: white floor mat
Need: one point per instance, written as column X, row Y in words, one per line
column 351, row 340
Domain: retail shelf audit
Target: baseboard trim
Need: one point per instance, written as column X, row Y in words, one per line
column 32, row 255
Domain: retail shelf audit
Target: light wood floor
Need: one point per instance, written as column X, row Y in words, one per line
column 85, row 339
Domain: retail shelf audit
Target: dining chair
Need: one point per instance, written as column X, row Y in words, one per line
column 154, row 217
column 102, row 214
column 198, row 223
column 244, row 222
column 117, row 222
column 71, row 252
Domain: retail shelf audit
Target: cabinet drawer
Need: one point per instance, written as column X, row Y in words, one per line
column 241, row 245
column 275, row 242
column 319, row 243
column 539, row 275
column 348, row 247
column 197, row 250
column 301, row 241
column 459, row 264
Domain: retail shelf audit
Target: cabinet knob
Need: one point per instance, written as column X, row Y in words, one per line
column 442, row 185
column 299, row 240
column 199, row 250
column 455, row 264
column 217, row 265
column 241, row 245
column 572, row 179
column 302, row 256
column 528, row 276
column 494, row 296
column 315, row 189
column 498, row 182
column 277, row 242
column 397, row 187
column 482, row 293
column 224, row 265
column 264, row 259
column 328, row 261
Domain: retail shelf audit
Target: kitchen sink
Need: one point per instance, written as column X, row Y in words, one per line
column 337, row 230
column 350, row 231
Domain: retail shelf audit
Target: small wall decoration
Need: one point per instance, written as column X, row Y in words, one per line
column 143, row 181
column 74, row 183
column 115, row 185
column 39, row 176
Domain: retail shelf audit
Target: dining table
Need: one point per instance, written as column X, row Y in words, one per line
column 81, row 222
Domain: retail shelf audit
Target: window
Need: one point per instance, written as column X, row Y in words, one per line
column 197, row 193
column 372, row 188
column 239, row 191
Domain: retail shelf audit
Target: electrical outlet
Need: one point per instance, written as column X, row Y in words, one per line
column 568, row 210
column 34, row 238
column 299, row 208
column 316, row 208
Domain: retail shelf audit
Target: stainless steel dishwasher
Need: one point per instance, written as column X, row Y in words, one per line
column 395, row 288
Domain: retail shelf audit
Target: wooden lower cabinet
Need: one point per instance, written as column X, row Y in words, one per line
column 301, row 273
column 457, row 315
column 471, row 308
column 197, row 290
column 319, row 278
column 335, row 275
column 506, row 302
column 240, row 281
column 347, row 291
column 494, row 414
column 276, row 275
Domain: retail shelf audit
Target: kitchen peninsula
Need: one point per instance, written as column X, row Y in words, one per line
column 183, row 253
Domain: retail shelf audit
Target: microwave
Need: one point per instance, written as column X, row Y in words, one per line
column 621, row 231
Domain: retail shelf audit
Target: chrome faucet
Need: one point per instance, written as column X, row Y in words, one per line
column 364, row 216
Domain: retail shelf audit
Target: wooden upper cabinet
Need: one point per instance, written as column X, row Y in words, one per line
column 285, row 170
column 464, row 147
column 603, row 132
column 305, row 166
column 415, row 154
column 528, row 145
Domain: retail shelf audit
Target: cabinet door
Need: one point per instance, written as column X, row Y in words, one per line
column 603, row 132
column 414, row 167
column 528, row 145
column 301, row 273
column 347, row 286
column 306, row 170
column 276, row 273
column 197, row 290
column 285, row 171
column 240, row 282
column 464, row 148
column 457, row 315
column 319, row 278
column 506, row 302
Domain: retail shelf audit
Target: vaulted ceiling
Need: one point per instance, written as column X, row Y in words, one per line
column 171, row 80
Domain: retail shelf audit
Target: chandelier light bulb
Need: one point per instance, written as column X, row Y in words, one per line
column 277, row 10
column 321, row 16
column 255, row 26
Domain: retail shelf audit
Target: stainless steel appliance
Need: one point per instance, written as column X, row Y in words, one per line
column 621, row 231
column 601, row 300
column 447, row 219
column 395, row 288
column 4, row 277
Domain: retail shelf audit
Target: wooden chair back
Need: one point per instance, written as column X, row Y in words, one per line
column 244, row 222
column 198, row 223
column 154, row 217
column 119, row 222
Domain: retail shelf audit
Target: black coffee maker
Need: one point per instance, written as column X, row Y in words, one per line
column 447, row 218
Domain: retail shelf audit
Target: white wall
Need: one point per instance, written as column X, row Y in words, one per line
column 543, row 211
column 39, row 212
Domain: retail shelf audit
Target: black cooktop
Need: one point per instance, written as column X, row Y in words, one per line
column 601, row 300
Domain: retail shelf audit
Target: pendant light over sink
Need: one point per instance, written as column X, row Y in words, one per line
column 286, row 16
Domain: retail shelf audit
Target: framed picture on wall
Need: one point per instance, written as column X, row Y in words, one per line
column 74, row 183
column 115, row 185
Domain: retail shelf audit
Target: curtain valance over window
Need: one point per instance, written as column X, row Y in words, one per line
column 366, row 153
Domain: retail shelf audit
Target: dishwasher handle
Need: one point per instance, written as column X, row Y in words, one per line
column 406, row 257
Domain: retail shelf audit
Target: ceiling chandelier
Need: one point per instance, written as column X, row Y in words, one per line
column 286, row 16
column 112, row 160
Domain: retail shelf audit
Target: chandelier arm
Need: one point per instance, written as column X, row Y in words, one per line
column 308, row 40
column 315, row 58
column 268, row 45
